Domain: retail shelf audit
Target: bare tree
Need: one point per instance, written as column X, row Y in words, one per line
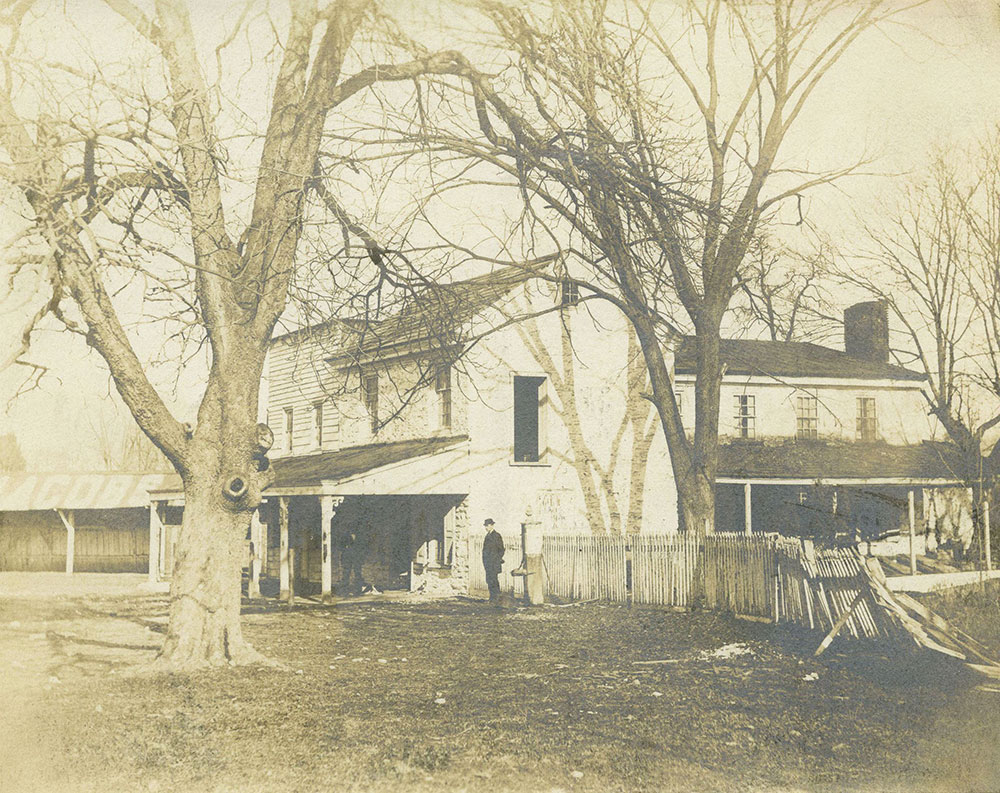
column 785, row 293
column 122, row 446
column 126, row 171
column 934, row 262
column 575, row 108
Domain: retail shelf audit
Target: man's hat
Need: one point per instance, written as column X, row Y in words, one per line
column 488, row 522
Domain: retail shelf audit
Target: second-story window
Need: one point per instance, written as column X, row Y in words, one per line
column 867, row 422
column 289, row 428
column 529, row 394
column 744, row 415
column 317, row 427
column 442, row 384
column 369, row 391
column 806, row 417
column 569, row 292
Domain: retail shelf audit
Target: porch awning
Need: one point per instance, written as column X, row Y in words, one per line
column 20, row 492
column 411, row 467
column 801, row 462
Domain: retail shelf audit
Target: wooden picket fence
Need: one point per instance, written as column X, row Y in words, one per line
column 586, row 567
column 764, row 577
column 663, row 568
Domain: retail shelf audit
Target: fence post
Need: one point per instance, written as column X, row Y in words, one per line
column 986, row 534
column 912, row 514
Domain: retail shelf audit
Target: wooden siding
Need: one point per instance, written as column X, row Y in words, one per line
column 299, row 376
column 107, row 541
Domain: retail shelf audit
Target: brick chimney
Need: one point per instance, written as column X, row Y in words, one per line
column 866, row 331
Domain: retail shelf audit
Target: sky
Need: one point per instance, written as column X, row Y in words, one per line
column 931, row 81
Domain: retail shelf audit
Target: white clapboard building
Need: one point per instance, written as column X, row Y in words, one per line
column 506, row 394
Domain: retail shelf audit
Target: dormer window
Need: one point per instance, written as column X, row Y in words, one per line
column 569, row 292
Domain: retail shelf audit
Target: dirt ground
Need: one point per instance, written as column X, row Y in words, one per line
column 456, row 695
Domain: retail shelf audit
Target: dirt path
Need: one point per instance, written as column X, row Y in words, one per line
column 49, row 644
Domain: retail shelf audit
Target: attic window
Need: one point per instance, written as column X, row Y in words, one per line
column 529, row 395
column 569, row 292
column 369, row 391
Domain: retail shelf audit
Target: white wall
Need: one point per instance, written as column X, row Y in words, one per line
column 596, row 436
column 901, row 409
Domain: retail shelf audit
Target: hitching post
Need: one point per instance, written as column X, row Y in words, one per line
column 531, row 563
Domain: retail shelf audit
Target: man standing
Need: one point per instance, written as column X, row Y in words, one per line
column 492, row 559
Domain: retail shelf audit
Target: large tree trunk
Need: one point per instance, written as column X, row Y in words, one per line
column 204, row 626
column 222, row 486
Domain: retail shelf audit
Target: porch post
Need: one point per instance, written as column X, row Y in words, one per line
column 986, row 534
column 66, row 516
column 253, row 588
column 283, row 572
column 912, row 514
column 155, row 527
column 747, row 510
column 328, row 508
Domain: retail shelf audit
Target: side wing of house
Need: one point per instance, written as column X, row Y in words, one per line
column 557, row 421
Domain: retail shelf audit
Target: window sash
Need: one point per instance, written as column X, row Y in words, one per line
column 569, row 292
column 867, row 425
column 289, row 428
column 318, row 424
column 806, row 417
column 745, row 415
column 369, row 387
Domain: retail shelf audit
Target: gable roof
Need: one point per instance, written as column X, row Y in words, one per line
column 790, row 359
column 796, row 459
column 435, row 315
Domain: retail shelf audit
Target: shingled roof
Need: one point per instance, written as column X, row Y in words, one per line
column 796, row 459
column 355, row 460
column 439, row 311
column 790, row 359
column 310, row 470
column 435, row 316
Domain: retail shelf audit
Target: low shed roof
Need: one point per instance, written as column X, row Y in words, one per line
column 20, row 491
column 827, row 460
column 310, row 470
column 354, row 461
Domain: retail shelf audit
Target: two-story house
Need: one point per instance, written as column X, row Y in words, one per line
column 479, row 399
column 506, row 393
column 821, row 442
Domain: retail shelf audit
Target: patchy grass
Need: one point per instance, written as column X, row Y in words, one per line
column 455, row 695
column 974, row 609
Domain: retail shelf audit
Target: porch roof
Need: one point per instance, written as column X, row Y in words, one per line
column 313, row 469
column 311, row 472
column 823, row 460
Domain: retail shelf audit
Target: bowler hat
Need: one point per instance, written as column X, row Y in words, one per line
column 488, row 522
